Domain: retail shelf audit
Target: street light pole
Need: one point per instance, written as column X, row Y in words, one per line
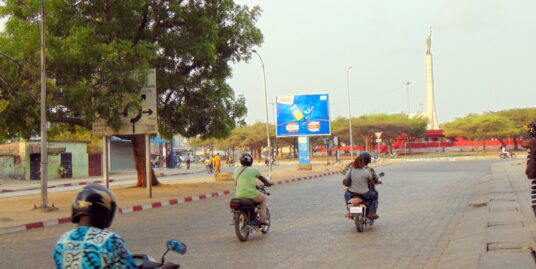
column 266, row 113
column 350, row 113
column 407, row 91
column 275, row 124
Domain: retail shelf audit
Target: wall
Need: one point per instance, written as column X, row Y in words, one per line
column 121, row 156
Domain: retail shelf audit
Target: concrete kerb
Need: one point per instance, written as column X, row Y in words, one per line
column 137, row 208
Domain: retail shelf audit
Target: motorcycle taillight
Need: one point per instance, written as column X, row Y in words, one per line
column 235, row 206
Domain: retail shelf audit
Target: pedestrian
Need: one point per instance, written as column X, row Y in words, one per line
column 188, row 161
column 217, row 163
column 530, row 171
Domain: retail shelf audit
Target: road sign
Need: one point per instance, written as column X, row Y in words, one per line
column 378, row 134
column 303, row 115
column 142, row 121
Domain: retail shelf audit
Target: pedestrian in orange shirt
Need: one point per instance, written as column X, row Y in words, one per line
column 217, row 163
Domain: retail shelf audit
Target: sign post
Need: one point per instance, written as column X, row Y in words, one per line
column 143, row 121
column 378, row 140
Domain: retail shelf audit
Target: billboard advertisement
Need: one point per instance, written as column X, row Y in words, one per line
column 303, row 115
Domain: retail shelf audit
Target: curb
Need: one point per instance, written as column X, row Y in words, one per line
column 58, row 186
column 84, row 183
column 137, row 208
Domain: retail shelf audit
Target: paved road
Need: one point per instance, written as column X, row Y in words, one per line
column 420, row 204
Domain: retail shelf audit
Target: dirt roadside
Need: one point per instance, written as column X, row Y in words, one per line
column 20, row 210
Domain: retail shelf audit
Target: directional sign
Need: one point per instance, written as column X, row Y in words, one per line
column 140, row 121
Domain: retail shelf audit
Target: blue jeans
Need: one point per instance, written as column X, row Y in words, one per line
column 371, row 197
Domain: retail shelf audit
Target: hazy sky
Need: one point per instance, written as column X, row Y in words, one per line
column 484, row 54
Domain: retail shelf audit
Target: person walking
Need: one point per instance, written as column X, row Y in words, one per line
column 530, row 170
column 188, row 161
column 217, row 163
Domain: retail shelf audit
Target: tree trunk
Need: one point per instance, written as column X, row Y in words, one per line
column 138, row 146
column 515, row 143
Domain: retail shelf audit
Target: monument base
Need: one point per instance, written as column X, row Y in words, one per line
column 303, row 167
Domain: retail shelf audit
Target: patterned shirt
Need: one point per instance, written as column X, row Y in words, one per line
column 90, row 247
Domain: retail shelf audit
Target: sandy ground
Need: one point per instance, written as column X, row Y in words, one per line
column 20, row 210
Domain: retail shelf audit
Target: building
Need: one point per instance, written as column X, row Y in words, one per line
column 22, row 159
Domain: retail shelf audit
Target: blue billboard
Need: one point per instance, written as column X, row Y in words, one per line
column 303, row 115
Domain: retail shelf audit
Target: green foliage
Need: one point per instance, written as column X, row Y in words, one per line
column 94, row 47
column 68, row 132
column 391, row 126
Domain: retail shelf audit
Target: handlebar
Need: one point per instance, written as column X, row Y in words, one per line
column 262, row 189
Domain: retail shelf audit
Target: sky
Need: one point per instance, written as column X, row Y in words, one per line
column 484, row 54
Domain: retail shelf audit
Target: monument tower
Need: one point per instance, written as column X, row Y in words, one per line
column 431, row 108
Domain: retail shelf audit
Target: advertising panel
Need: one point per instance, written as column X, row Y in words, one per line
column 303, row 115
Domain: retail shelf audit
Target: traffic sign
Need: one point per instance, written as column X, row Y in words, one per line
column 141, row 121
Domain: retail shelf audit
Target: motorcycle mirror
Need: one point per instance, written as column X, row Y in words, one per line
column 381, row 174
column 176, row 246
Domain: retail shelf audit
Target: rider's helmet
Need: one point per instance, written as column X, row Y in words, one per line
column 246, row 159
column 366, row 157
column 97, row 202
column 531, row 128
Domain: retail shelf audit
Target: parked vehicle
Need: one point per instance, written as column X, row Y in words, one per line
column 246, row 217
column 375, row 158
column 358, row 211
column 147, row 262
column 274, row 162
column 506, row 155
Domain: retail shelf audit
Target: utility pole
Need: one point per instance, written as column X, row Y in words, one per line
column 43, row 103
column 407, row 92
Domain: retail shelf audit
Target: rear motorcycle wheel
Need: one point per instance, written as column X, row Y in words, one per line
column 359, row 221
column 242, row 232
column 266, row 228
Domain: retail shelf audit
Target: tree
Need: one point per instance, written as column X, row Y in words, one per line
column 481, row 127
column 391, row 126
column 93, row 48
column 520, row 117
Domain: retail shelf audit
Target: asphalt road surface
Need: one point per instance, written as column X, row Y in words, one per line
column 420, row 205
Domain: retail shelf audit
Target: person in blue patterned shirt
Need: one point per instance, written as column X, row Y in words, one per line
column 89, row 245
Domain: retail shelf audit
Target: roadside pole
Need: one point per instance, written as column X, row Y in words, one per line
column 148, row 178
column 105, row 161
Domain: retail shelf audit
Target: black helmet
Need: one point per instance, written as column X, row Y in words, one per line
column 531, row 128
column 97, row 202
column 366, row 157
column 246, row 159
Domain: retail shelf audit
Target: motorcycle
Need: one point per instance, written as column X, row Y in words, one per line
column 358, row 210
column 209, row 167
column 246, row 217
column 147, row 262
column 376, row 158
column 506, row 155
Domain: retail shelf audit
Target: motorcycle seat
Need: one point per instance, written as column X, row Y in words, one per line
column 244, row 202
